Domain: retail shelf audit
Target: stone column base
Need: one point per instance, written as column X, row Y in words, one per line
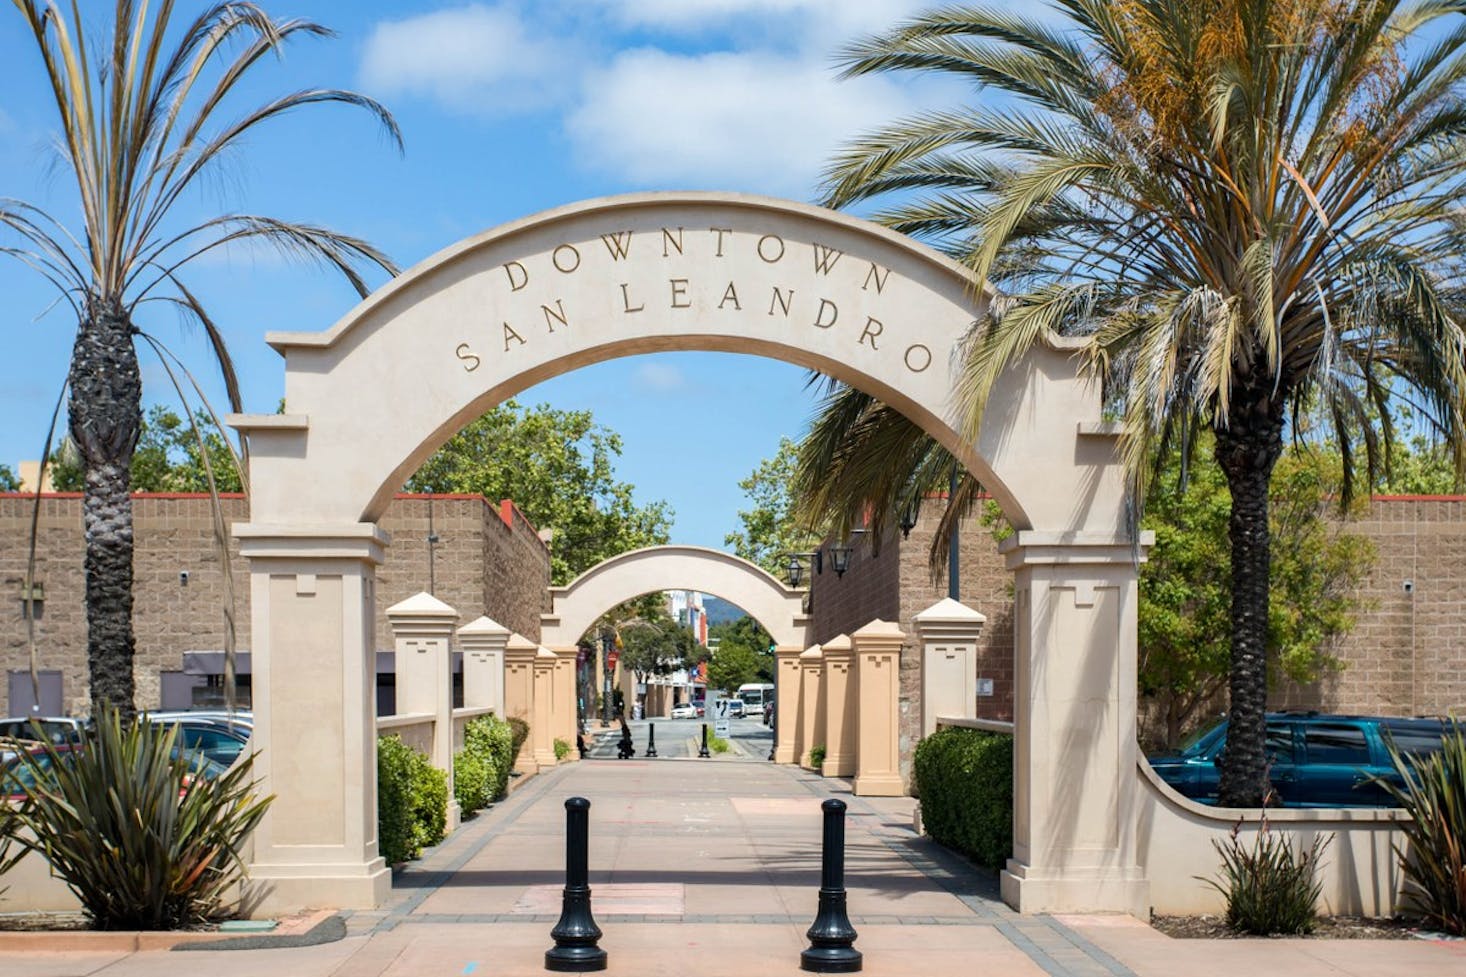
column 879, row 785
column 1029, row 889
column 454, row 816
column 279, row 889
column 784, row 753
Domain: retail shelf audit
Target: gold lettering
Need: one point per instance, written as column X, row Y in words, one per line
column 679, row 291
column 777, row 240
column 552, row 314
column 730, row 294
column 626, row 301
column 825, row 258
column 466, row 354
column 509, row 268
column 675, row 242
column 781, row 300
column 720, row 231
column 873, row 328
column 819, row 319
column 879, row 275
column 618, row 243
column 509, row 334
column 925, row 357
column 555, row 258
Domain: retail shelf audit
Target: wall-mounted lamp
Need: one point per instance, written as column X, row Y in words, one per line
column 794, row 569
column 840, row 557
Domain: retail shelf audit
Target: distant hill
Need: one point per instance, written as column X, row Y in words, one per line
column 720, row 611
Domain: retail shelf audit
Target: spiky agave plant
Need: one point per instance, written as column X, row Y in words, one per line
column 142, row 120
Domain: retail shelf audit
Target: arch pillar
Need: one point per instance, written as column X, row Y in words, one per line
column 787, row 694
column 313, row 655
column 482, row 642
column 811, row 704
column 422, row 627
column 1074, row 751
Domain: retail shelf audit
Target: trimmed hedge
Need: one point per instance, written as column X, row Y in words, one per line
column 481, row 768
column 964, row 778
column 412, row 801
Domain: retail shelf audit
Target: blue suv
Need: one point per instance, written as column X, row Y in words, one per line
column 1315, row 760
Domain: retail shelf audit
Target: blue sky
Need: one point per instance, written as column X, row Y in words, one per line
column 507, row 108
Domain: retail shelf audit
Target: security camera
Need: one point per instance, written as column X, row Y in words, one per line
column 1409, row 586
column 183, row 578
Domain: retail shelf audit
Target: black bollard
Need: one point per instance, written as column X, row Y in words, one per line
column 703, row 750
column 651, row 741
column 576, row 949
column 831, row 937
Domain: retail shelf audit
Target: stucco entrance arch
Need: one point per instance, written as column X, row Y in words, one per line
column 575, row 607
column 370, row 398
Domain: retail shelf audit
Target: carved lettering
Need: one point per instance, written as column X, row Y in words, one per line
column 819, row 319
column 878, row 275
column 765, row 240
column 470, row 361
column 679, row 294
column 730, row 294
column 923, row 356
column 556, row 313
column 781, row 300
column 873, row 328
column 720, row 231
column 509, row 334
column 668, row 239
column 626, row 300
column 825, row 258
column 618, row 243
column 515, row 284
column 570, row 263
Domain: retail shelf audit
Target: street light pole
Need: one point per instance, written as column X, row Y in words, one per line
column 607, row 643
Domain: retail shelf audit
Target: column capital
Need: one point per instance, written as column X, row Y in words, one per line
column 1032, row 547
column 483, row 634
column 423, row 614
column 812, row 656
column 949, row 620
column 879, row 636
column 788, row 652
column 837, row 647
column 520, row 650
column 364, row 542
column 544, row 658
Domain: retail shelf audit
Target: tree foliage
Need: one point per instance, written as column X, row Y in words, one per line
column 559, row 468
column 656, row 645
column 743, row 653
column 167, row 457
column 772, row 528
column 9, row 482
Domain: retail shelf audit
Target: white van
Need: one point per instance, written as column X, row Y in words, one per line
column 755, row 696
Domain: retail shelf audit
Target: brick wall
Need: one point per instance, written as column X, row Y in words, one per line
column 488, row 560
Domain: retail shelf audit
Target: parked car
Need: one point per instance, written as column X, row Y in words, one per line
column 19, row 732
column 218, row 741
column 684, row 710
column 241, row 719
column 735, row 708
column 1315, row 760
column 17, row 777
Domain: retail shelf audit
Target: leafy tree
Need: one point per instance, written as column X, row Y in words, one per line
column 656, row 645
column 140, row 127
column 744, row 653
column 732, row 666
column 559, row 468
column 167, row 457
column 1185, row 604
column 773, row 528
column 8, row 480
column 1247, row 208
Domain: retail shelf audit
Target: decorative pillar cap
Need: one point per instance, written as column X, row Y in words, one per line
column 483, row 627
column 544, row 656
column 837, row 646
column 950, row 619
column 812, row 654
column 520, row 648
column 422, row 611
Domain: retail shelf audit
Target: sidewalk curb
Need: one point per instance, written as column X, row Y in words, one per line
column 306, row 930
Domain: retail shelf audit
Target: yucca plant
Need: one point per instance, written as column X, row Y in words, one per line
column 1434, row 795
column 1270, row 888
column 142, row 839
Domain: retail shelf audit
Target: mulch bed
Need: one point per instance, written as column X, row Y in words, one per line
column 1327, row 928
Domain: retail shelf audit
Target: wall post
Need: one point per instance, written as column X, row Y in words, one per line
column 878, row 712
column 422, row 629
column 482, row 642
column 839, row 694
column 787, row 700
column 542, row 726
column 811, row 704
column 948, row 632
column 519, row 702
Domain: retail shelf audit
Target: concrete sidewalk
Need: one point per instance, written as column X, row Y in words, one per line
column 712, row 869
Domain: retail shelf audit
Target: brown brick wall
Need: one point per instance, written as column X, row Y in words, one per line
column 481, row 565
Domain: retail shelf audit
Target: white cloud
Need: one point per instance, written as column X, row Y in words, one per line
column 826, row 23
column 475, row 58
column 747, row 121
column 660, row 377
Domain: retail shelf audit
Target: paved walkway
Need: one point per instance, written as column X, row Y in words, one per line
column 711, row 868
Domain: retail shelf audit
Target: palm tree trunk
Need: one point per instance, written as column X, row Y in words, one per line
column 104, row 414
column 1247, row 450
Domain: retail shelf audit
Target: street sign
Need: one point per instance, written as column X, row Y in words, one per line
column 720, row 717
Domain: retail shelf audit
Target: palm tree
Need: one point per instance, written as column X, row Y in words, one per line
column 1247, row 206
column 139, row 127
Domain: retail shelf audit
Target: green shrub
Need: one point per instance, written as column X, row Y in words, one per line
column 562, row 749
column 1269, row 888
column 965, row 780
column 1434, row 795
column 141, row 839
column 717, row 744
column 817, row 756
column 412, row 801
column 471, row 780
column 492, row 739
